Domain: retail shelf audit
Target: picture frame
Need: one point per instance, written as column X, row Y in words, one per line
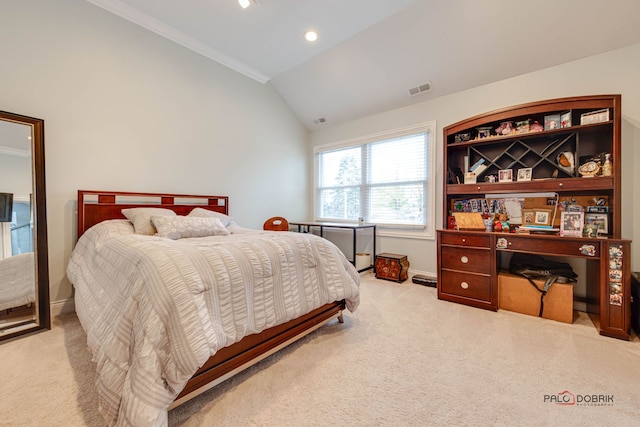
column 505, row 175
column 528, row 217
column 600, row 220
column 524, row 174
column 542, row 216
column 571, row 224
column 552, row 121
column 470, row 178
column 565, row 120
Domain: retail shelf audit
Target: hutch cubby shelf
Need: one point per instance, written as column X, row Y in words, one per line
column 550, row 140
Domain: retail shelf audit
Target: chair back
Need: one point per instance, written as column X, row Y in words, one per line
column 276, row 223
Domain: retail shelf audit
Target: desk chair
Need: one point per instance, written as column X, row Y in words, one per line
column 276, row 223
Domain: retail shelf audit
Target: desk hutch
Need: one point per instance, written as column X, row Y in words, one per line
column 550, row 140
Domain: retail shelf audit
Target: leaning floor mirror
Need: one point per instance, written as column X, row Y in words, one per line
column 24, row 271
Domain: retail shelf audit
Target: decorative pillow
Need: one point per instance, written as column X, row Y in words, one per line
column 179, row 227
column 205, row 213
column 141, row 218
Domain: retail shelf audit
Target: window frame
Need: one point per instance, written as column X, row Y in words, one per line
column 417, row 232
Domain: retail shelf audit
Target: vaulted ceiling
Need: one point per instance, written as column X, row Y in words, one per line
column 371, row 53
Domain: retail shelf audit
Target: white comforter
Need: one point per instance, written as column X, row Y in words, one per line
column 155, row 309
column 17, row 281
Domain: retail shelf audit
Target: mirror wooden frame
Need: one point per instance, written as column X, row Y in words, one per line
column 43, row 312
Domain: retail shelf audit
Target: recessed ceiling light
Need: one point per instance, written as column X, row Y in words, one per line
column 311, row 36
column 246, row 3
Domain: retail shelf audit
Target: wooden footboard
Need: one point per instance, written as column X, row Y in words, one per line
column 254, row 348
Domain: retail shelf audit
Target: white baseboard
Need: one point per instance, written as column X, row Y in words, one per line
column 61, row 307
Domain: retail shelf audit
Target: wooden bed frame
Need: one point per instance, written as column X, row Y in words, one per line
column 98, row 206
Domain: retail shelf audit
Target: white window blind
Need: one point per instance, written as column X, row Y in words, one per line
column 384, row 179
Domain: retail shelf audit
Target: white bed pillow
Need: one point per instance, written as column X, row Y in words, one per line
column 205, row 213
column 179, row 227
column 141, row 218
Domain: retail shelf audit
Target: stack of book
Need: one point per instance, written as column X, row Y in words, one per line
column 478, row 167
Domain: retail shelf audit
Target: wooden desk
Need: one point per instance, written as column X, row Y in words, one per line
column 469, row 262
column 306, row 227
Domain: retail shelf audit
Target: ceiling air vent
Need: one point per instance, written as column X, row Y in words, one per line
column 419, row 89
column 320, row 120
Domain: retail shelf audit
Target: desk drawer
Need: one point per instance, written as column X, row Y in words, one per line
column 466, row 259
column 553, row 247
column 462, row 239
column 473, row 286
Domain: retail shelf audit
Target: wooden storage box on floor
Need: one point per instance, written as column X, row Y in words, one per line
column 392, row 267
column 515, row 293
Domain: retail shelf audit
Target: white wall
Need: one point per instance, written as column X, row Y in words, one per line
column 127, row 110
column 15, row 175
column 610, row 73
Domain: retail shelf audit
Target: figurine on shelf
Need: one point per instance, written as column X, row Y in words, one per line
column 484, row 132
column 607, row 167
column 536, row 127
column 451, row 223
column 522, row 126
column 505, row 128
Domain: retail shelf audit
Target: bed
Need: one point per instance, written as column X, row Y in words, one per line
column 171, row 314
column 17, row 281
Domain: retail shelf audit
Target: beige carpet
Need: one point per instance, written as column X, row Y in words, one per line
column 403, row 359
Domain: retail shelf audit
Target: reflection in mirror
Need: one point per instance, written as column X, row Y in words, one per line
column 24, row 282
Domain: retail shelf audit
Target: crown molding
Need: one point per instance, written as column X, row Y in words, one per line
column 145, row 21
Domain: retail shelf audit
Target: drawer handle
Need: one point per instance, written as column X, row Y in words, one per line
column 464, row 259
column 464, row 285
column 464, row 240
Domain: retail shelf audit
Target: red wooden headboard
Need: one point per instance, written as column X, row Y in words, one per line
column 98, row 206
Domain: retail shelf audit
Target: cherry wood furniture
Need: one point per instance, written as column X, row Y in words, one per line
column 97, row 206
column 392, row 267
column 276, row 223
column 469, row 261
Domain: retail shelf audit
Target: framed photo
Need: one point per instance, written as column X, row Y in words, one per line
column 600, row 220
column 542, row 216
column 505, row 175
column 571, row 224
column 524, row 174
column 552, row 122
column 470, row 178
column 528, row 217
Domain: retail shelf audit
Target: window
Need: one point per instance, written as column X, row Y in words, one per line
column 16, row 237
column 386, row 179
